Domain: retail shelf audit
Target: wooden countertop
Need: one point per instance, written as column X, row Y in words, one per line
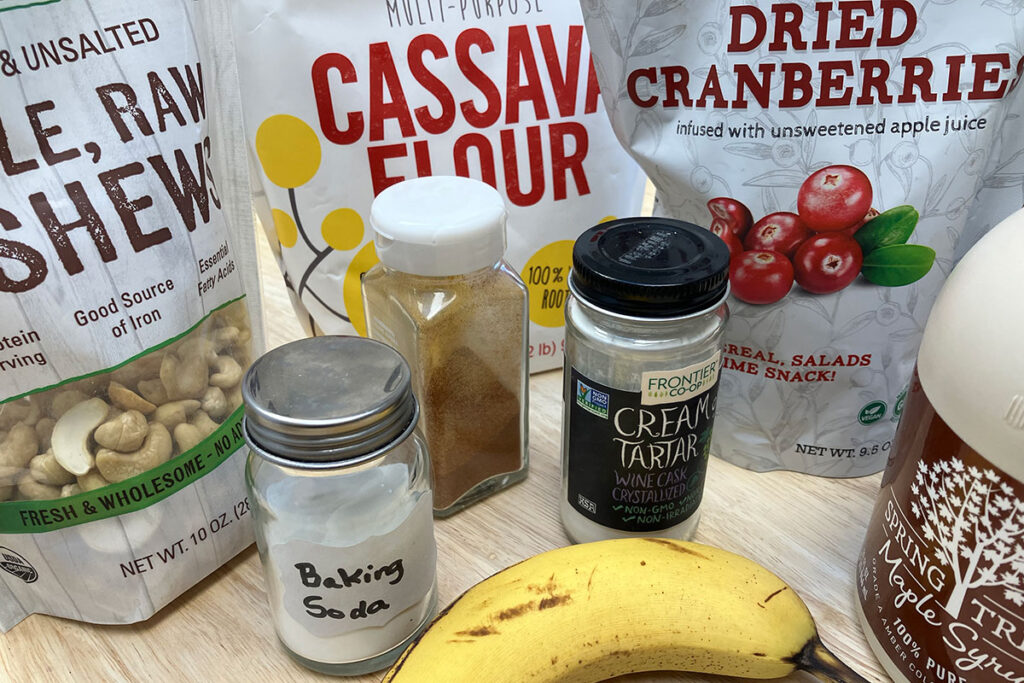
column 806, row 529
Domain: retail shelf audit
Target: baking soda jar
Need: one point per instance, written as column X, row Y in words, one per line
column 643, row 353
column 941, row 575
column 339, row 484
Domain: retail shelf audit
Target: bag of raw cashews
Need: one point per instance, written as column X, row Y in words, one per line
column 848, row 152
column 126, row 251
column 344, row 99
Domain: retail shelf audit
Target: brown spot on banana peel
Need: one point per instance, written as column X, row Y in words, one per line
column 762, row 604
column 478, row 632
column 817, row 660
column 555, row 601
column 664, row 542
column 517, row 611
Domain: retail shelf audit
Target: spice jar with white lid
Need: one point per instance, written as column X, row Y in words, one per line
column 446, row 299
column 339, row 487
column 643, row 354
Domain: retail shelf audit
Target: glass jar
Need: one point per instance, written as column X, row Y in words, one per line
column 445, row 298
column 339, row 485
column 643, row 352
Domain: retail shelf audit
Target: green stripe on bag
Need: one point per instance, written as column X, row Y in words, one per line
column 39, row 516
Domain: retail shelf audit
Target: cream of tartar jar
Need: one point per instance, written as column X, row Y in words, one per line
column 339, row 486
column 643, row 354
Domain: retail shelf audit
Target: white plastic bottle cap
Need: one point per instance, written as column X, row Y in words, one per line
column 439, row 225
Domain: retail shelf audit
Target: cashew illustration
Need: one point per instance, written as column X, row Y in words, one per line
column 16, row 451
column 155, row 450
column 46, row 470
column 124, row 433
column 126, row 399
column 70, row 440
column 175, row 412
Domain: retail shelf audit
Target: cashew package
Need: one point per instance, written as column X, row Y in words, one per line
column 125, row 263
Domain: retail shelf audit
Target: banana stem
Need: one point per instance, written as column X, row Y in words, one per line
column 817, row 660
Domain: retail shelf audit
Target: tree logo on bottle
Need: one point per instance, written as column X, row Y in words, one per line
column 16, row 565
column 975, row 522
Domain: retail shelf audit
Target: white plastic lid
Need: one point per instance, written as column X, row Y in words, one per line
column 439, row 225
column 970, row 364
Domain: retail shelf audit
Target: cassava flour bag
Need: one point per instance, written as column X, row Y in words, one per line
column 123, row 326
column 848, row 152
column 342, row 100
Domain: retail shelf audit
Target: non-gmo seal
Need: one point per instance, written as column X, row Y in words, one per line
column 16, row 565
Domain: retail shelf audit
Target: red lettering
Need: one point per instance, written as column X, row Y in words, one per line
column 476, row 117
column 886, row 37
column 788, row 17
column 520, row 59
column 759, row 89
column 376, row 160
column 384, row 77
column 796, row 76
column 874, row 74
column 917, row 73
column 593, row 90
column 320, row 74
column 986, row 72
column 712, row 88
column 848, row 23
column 418, row 46
column 534, row 164
column 955, row 64
column 833, row 77
column 821, row 38
column 736, row 15
column 564, row 85
column 563, row 164
column 677, row 80
column 631, row 86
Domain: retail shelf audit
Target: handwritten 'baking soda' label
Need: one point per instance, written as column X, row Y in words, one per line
column 941, row 575
column 331, row 591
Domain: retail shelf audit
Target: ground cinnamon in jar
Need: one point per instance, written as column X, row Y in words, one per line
column 443, row 296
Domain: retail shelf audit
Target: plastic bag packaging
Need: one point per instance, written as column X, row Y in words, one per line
column 342, row 100
column 129, row 307
column 787, row 129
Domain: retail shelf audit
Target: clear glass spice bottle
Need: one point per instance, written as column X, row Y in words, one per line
column 339, row 487
column 643, row 352
column 445, row 298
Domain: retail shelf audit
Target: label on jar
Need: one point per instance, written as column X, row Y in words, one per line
column 941, row 575
column 637, row 459
column 331, row 590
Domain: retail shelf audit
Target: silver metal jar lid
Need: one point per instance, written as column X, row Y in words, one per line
column 327, row 401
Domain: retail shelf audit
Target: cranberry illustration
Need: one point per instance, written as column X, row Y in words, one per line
column 872, row 212
column 735, row 214
column 827, row 263
column 760, row 276
column 721, row 228
column 782, row 232
column 834, row 198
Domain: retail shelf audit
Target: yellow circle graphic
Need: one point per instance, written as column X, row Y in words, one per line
column 547, row 277
column 607, row 218
column 364, row 259
column 289, row 150
column 342, row 229
column 284, row 226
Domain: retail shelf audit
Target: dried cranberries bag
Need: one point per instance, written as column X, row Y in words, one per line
column 342, row 100
column 848, row 153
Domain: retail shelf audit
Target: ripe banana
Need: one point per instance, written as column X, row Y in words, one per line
column 594, row 611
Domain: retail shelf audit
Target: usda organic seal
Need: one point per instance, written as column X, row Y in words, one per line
column 16, row 565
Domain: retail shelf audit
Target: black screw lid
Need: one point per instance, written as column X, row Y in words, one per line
column 650, row 267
